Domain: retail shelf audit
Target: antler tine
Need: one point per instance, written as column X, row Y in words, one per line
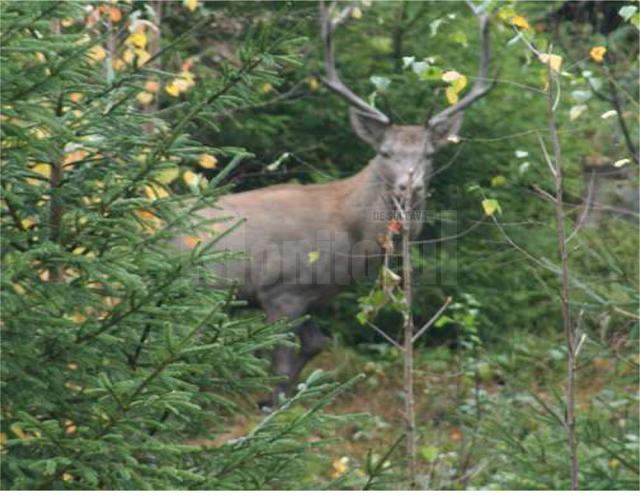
column 333, row 81
column 483, row 84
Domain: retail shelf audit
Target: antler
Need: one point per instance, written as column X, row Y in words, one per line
column 482, row 85
column 332, row 79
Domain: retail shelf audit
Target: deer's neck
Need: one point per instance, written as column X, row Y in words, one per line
column 367, row 202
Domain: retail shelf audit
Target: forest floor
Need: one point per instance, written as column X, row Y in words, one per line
column 458, row 401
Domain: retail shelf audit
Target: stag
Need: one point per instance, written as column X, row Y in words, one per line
column 304, row 243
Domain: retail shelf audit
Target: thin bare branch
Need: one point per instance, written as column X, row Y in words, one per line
column 433, row 319
column 385, row 335
column 587, row 206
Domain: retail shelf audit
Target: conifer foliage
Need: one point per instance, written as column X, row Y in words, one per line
column 116, row 352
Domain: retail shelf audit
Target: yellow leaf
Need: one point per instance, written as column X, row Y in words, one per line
column 184, row 82
column 17, row 430
column 42, row 170
column 144, row 98
column 165, row 176
column 339, row 467
column 597, row 53
column 18, row 288
column 75, row 156
column 191, row 241
column 142, row 57
column 118, row 64
column 490, row 206
column 266, row 88
column 152, row 86
column 192, row 5
column 72, row 366
column 78, row 318
column 75, row 97
column 97, row 53
column 452, row 95
column 207, row 161
column 498, row 181
column 191, row 178
column 155, row 192
column 41, row 133
column 450, row 76
column 520, row 22
column 460, row 83
column 356, row 13
column 313, row 257
column 553, row 61
column 151, row 221
column 172, row 89
column 67, row 477
column 27, row 223
column 187, row 76
column 3, row 439
column 138, row 40
column 314, row 85
column 128, row 56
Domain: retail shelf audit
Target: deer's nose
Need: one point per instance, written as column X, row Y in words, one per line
column 402, row 186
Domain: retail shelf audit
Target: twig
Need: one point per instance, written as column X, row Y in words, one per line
column 587, row 206
column 385, row 335
column 428, row 325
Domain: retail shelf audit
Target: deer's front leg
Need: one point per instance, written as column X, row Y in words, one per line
column 289, row 362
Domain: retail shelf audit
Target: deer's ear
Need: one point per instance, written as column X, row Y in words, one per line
column 441, row 133
column 367, row 128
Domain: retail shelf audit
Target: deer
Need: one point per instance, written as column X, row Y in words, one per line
column 305, row 243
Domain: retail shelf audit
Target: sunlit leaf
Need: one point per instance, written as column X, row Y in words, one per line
column 172, row 89
column 144, row 98
column 313, row 257
column 165, row 176
column 452, row 95
column 491, row 206
column 621, row 162
column 498, row 181
column 97, row 53
column 519, row 22
column 597, row 53
column 191, row 5
column 553, row 61
column 207, row 161
column 576, row 111
column 138, row 40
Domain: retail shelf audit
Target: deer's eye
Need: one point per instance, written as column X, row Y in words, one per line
column 385, row 153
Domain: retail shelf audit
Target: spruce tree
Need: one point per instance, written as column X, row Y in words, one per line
column 116, row 351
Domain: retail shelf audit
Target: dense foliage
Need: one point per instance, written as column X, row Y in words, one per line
column 120, row 363
column 122, row 368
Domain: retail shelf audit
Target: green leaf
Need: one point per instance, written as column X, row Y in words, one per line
column 491, row 206
column 381, row 83
column 429, row 453
column 627, row 12
column 459, row 37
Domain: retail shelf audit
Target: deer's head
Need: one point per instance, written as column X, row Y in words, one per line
column 404, row 153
